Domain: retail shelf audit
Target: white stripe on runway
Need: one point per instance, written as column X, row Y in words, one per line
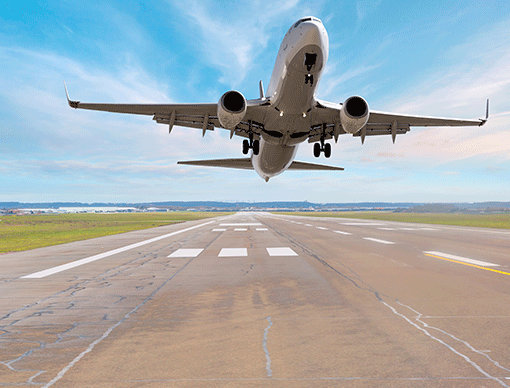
column 386, row 228
column 340, row 232
column 283, row 251
column 463, row 259
column 378, row 241
column 261, row 229
column 77, row 263
column 219, row 230
column 248, row 224
column 233, row 252
column 321, row 227
column 362, row 224
column 186, row 253
column 240, row 230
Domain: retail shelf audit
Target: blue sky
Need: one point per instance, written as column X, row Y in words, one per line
column 431, row 58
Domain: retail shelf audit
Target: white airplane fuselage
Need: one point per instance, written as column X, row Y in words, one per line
column 301, row 58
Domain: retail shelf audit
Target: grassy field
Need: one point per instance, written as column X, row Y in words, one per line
column 501, row 221
column 19, row 233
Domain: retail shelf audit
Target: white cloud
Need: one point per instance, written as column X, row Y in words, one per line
column 233, row 36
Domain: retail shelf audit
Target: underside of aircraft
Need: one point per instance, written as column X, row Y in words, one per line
column 287, row 114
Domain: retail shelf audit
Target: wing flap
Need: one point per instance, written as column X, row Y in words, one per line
column 377, row 117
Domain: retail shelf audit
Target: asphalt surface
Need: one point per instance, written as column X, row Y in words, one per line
column 265, row 300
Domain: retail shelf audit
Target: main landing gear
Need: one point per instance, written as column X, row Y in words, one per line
column 322, row 147
column 251, row 144
column 318, row 148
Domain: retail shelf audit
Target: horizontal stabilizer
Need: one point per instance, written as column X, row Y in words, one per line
column 245, row 164
column 312, row 166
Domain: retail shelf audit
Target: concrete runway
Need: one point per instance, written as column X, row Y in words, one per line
column 265, row 300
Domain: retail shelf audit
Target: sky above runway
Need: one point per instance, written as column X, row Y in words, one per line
column 426, row 58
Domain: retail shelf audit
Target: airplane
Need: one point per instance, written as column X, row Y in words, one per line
column 287, row 114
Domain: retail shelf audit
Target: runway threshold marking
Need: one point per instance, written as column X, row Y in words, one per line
column 186, row 253
column 233, row 252
column 465, row 261
column 77, row 263
column 281, row 251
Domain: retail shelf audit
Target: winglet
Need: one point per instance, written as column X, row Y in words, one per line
column 72, row 104
column 261, row 91
column 483, row 121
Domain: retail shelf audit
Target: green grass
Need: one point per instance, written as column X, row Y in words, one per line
column 19, row 233
column 501, row 221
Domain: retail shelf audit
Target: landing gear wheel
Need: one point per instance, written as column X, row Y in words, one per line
column 256, row 147
column 327, row 150
column 246, row 146
column 316, row 150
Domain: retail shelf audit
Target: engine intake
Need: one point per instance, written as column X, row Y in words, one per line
column 354, row 114
column 231, row 109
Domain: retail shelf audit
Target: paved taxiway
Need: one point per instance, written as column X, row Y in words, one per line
column 261, row 300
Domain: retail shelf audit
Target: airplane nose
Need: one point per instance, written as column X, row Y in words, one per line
column 314, row 33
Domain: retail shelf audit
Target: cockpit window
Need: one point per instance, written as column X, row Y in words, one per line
column 306, row 20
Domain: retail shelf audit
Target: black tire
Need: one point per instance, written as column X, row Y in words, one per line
column 316, row 150
column 246, row 146
column 256, row 147
column 327, row 150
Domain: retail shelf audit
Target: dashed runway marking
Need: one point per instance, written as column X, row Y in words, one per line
column 386, row 228
column 340, row 232
column 283, row 251
column 233, row 252
column 243, row 224
column 321, row 227
column 362, row 224
column 186, row 253
column 261, row 229
column 219, row 230
column 377, row 240
column 240, row 230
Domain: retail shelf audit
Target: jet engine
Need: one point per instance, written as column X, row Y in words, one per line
column 231, row 109
column 354, row 114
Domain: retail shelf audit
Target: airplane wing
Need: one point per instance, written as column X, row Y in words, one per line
column 200, row 116
column 380, row 123
column 245, row 164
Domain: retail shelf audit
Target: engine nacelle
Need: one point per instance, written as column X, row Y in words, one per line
column 231, row 109
column 354, row 114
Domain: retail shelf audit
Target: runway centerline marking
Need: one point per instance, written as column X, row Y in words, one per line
column 233, row 252
column 261, row 229
column 219, row 230
column 186, row 253
column 362, row 224
column 283, row 251
column 77, row 263
column 465, row 263
column 377, row 240
column 321, row 227
column 340, row 232
column 240, row 230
